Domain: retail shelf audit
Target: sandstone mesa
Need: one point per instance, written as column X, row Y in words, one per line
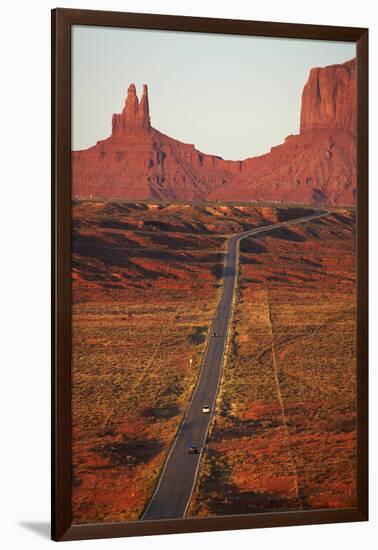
column 316, row 166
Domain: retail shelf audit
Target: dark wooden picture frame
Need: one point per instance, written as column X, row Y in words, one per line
column 62, row 20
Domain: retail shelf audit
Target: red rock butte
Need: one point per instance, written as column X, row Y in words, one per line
column 316, row 166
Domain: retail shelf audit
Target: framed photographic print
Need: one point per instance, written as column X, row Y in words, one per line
column 210, row 211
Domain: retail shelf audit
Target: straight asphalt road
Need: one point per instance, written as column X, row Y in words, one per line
column 175, row 486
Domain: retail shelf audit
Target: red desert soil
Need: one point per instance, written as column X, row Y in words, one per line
column 284, row 434
column 317, row 166
column 145, row 281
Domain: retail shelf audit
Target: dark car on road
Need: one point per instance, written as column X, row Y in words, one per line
column 215, row 334
column 192, row 450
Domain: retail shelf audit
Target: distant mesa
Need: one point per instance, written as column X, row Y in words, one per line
column 316, row 166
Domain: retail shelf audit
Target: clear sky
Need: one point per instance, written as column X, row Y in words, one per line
column 232, row 96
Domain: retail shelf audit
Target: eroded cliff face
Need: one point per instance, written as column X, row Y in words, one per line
column 139, row 162
column 329, row 98
column 315, row 167
column 318, row 166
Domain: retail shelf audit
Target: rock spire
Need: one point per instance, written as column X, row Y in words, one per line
column 135, row 115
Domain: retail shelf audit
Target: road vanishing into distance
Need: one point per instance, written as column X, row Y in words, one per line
column 176, row 483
